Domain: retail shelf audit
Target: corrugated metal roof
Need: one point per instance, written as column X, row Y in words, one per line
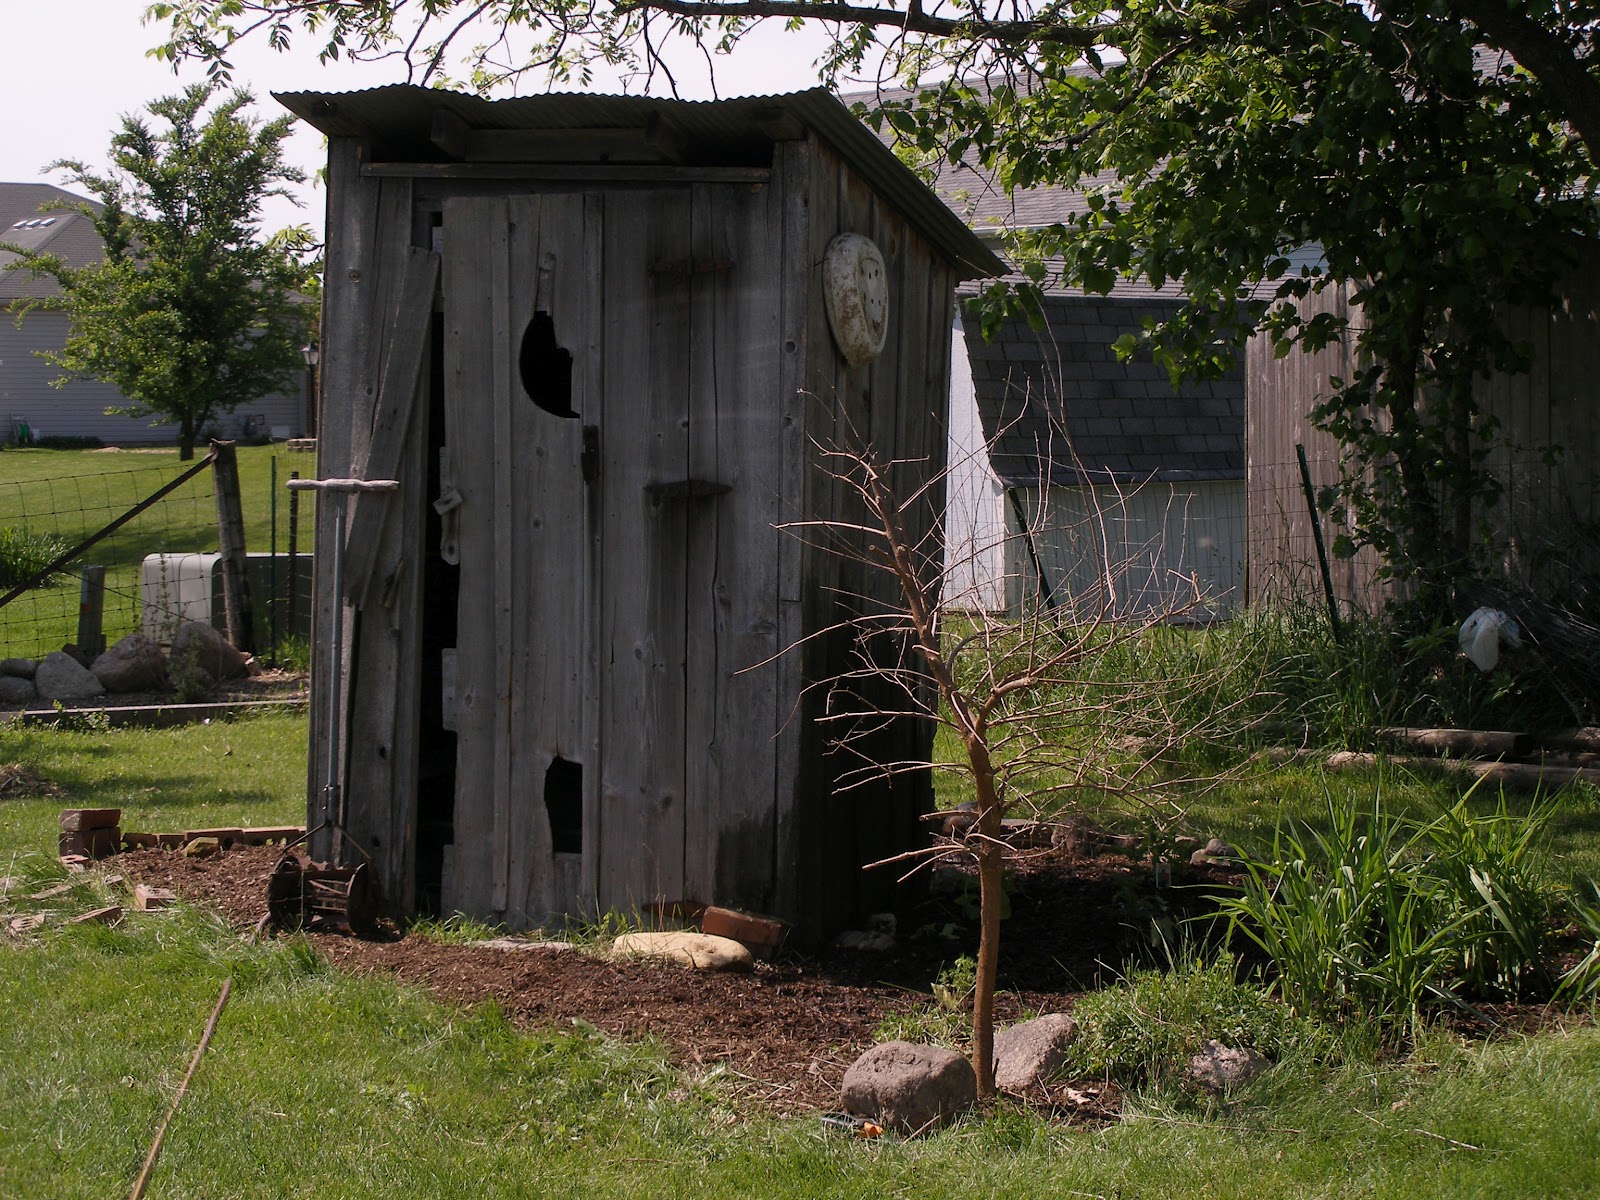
column 398, row 120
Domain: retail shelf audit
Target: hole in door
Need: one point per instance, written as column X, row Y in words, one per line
column 546, row 367
column 563, row 804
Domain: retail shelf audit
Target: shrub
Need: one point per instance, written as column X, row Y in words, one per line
column 24, row 554
column 1147, row 1028
column 1378, row 915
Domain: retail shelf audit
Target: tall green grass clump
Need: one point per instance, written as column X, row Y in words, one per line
column 24, row 554
column 1379, row 917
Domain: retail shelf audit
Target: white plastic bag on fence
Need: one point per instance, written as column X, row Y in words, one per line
column 1482, row 633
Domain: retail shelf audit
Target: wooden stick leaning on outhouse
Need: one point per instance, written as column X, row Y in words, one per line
column 407, row 334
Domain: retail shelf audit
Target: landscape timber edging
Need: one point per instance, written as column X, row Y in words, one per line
column 152, row 716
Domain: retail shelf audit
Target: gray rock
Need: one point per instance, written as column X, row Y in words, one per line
column 135, row 664
column 1216, row 852
column 1222, row 1068
column 197, row 644
column 702, row 951
column 909, row 1088
column 1027, row 1054
column 21, row 668
column 16, row 691
column 62, row 677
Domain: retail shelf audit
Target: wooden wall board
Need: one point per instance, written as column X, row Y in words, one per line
column 644, row 441
column 475, row 236
column 547, row 511
column 735, row 439
column 374, row 222
column 791, row 195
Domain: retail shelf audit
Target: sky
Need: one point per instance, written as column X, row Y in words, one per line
column 74, row 67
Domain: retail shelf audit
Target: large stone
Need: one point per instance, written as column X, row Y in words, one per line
column 1222, row 1068
column 62, row 677
column 135, row 664
column 197, row 644
column 909, row 1088
column 16, row 691
column 1027, row 1054
column 702, row 951
column 22, row 668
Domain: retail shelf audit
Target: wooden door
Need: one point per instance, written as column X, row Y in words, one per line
column 618, row 566
column 520, row 291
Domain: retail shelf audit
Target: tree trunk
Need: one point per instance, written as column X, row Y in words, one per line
column 991, row 898
column 186, row 439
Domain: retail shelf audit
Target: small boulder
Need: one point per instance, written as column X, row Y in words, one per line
column 16, row 690
column 1216, row 852
column 202, row 847
column 909, row 1088
column 21, row 668
column 62, row 677
column 1027, row 1054
column 135, row 664
column 702, row 951
column 1222, row 1068
column 197, row 644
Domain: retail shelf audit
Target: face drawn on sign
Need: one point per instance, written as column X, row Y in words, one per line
column 855, row 291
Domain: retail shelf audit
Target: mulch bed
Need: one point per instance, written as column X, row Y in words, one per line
column 790, row 1027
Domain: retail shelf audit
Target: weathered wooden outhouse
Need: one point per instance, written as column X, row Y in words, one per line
column 591, row 337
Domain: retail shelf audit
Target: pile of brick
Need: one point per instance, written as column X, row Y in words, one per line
column 94, row 833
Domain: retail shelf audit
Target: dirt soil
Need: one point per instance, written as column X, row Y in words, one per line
column 791, row 1026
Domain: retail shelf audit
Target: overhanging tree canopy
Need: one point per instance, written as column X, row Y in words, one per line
column 1439, row 154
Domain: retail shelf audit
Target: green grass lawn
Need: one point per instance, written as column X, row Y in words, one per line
column 73, row 493
column 321, row 1084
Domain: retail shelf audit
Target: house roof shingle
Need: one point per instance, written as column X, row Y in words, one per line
column 28, row 222
column 1058, row 407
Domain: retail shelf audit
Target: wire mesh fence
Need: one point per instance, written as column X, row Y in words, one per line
column 159, row 565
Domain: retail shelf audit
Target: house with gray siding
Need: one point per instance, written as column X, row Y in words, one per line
column 77, row 408
column 1075, row 478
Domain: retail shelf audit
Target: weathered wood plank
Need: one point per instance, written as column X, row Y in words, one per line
column 789, row 198
column 642, row 590
column 589, row 399
column 407, row 331
column 502, row 360
column 351, row 306
column 550, row 618
column 736, row 438
column 475, row 234
column 648, row 176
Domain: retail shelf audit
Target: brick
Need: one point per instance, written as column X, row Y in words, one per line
column 754, row 932
column 79, row 820
column 263, row 835
column 147, row 898
column 140, row 841
column 90, row 843
column 74, row 863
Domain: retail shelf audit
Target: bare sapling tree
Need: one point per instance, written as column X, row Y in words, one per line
column 1085, row 701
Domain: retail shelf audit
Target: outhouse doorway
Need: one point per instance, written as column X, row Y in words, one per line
column 616, row 498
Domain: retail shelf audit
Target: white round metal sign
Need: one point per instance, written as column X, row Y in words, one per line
column 855, row 291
